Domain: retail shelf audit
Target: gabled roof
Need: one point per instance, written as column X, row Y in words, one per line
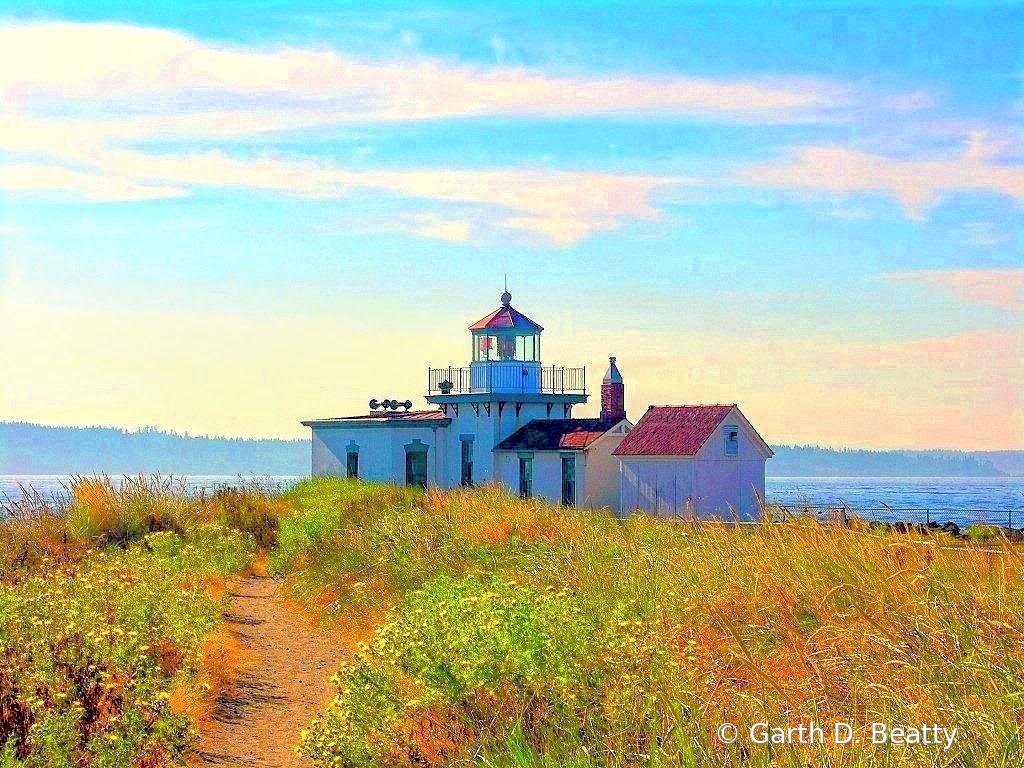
column 673, row 430
column 504, row 318
column 383, row 417
column 556, row 434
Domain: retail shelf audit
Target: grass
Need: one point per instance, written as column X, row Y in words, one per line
column 517, row 633
column 109, row 623
column 487, row 630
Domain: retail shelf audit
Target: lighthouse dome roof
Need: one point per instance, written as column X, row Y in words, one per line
column 506, row 317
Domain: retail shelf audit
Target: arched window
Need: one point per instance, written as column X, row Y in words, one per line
column 416, row 464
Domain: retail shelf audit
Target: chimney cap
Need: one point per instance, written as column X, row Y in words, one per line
column 612, row 376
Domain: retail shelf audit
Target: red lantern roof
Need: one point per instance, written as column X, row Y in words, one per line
column 506, row 318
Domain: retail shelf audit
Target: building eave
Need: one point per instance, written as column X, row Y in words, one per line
column 371, row 423
column 507, row 397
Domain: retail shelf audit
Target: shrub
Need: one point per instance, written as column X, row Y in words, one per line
column 250, row 509
column 91, row 650
column 465, row 663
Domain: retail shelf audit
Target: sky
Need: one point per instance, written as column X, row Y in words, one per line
column 224, row 217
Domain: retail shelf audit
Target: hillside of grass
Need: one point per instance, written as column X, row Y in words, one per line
column 481, row 629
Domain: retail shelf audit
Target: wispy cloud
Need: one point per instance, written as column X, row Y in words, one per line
column 113, row 65
column 562, row 206
column 81, row 185
column 917, row 184
column 84, row 122
column 441, row 228
column 1002, row 288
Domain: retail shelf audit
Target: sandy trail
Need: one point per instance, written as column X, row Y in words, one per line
column 284, row 687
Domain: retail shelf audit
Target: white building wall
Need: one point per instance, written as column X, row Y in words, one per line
column 731, row 482
column 488, row 430
column 381, row 451
column 661, row 485
column 598, row 484
column 547, row 473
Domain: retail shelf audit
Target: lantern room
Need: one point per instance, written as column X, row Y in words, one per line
column 505, row 362
column 506, row 335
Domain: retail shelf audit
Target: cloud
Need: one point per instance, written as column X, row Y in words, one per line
column 81, row 185
column 1002, row 288
column 120, row 66
column 563, row 207
column 84, row 122
column 916, row 184
column 440, row 228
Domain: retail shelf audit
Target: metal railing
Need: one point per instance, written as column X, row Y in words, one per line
column 552, row 380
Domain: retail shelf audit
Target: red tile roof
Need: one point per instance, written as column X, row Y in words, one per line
column 673, row 430
column 555, row 434
column 504, row 318
column 384, row 417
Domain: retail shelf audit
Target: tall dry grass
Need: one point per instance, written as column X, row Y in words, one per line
column 111, row 636
column 519, row 632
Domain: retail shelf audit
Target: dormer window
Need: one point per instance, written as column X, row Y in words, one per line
column 732, row 440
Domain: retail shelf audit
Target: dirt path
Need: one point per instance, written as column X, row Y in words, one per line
column 285, row 686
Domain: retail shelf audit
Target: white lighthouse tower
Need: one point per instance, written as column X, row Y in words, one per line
column 504, row 387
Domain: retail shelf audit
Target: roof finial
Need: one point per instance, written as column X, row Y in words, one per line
column 506, row 297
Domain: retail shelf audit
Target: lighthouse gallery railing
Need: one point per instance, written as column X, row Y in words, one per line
column 554, row 380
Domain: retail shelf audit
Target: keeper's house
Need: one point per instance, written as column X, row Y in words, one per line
column 507, row 418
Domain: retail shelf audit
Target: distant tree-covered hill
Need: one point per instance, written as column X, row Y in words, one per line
column 806, row 460
column 32, row 449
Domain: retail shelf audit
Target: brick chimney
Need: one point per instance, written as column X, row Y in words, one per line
column 613, row 394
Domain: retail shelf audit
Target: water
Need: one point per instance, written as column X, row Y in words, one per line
column 962, row 500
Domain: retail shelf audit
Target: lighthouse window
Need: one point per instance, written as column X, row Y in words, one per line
column 506, row 347
column 526, row 476
column 525, row 348
column 732, row 441
column 490, row 347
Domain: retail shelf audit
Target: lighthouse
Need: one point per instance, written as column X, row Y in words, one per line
column 504, row 416
column 504, row 386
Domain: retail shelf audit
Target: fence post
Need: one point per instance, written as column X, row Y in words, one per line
column 927, row 517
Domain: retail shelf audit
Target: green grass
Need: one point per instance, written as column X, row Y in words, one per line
column 107, row 611
column 487, row 630
column 516, row 633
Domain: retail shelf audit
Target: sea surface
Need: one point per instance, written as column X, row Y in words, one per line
column 962, row 500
